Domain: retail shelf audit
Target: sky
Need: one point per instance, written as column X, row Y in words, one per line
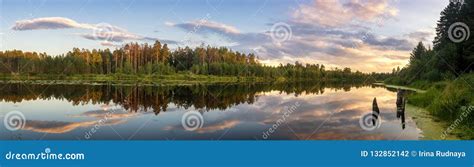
column 365, row 35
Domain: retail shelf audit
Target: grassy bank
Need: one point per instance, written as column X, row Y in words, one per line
column 450, row 102
column 141, row 79
column 128, row 79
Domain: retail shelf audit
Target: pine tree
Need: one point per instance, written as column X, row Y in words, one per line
column 450, row 15
column 468, row 46
column 417, row 53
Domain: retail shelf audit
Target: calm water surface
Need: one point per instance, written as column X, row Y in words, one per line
column 292, row 111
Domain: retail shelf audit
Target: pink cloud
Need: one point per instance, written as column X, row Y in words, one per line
column 333, row 13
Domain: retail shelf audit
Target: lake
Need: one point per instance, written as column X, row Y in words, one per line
column 283, row 111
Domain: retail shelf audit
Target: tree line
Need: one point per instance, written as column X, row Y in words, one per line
column 445, row 71
column 158, row 59
column 453, row 50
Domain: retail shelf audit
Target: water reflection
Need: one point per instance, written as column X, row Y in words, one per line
column 375, row 112
column 401, row 103
column 157, row 98
column 230, row 111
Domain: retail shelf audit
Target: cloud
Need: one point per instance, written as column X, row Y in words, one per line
column 171, row 42
column 334, row 13
column 425, row 36
column 388, row 42
column 314, row 43
column 399, row 57
column 114, row 36
column 205, row 26
column 337, row 33
column 227, row 124
column 109, row 44
column 114, row 117
column 57, row 127
column 228, row 33
column 49, row 23
column 104, row 32
column 101, row 114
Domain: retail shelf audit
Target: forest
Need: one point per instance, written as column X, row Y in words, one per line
column 158, row 59
column 445, row 70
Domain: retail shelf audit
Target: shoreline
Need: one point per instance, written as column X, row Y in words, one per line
column 152, row 80
column 431, row 126
column 400, row 87
column 122, row 79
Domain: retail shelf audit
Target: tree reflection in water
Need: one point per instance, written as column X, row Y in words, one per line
column 246, row 110
column 157, row 98
column 401, row 102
